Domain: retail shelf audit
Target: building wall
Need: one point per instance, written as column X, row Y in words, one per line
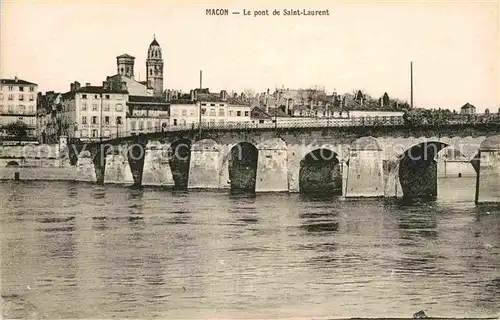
column 212, row 112
column 18, row 102
column 91, row 115
column 369, row 113
column 134, row 87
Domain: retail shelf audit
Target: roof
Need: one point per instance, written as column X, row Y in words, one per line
column 92, row 89
column 147, row 99
column 17, row 82
column 154, row 43
column 125, row 56
column 276, row 112
column 258, row 113
column 467, row 106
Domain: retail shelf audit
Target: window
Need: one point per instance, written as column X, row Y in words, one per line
column 246, row 113
column 238, row 113
column 84, row 133
column 118, row 120
column 106, row 107
column 11, row 88
column 21, row 88
column 203, row 111
column 11, row 97
column 11, row 108
column 184, row 112
column 84, row 96
column 96, row 96
column 84, row 106
column 21, row 108
column 149, row 125
column 1, row 96
column 221, row 112
column 1, row 108
column 221, row 104
column 141, row 125
column 94, row 133
column 107, row 97
column 21, row 97
column 84, row 120
column 32, row 89
column 106, row 120
column 32, row 109
column 118, row 97
column 94, row 120
column 133, row 125
column 94, row 107
column 32, row 97
column 203, row 104
column 212, row 104
column 212, row 112
column 221, row 121
column 230, row 113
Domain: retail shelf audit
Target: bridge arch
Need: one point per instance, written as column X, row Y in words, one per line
column 242, row 160
column 12, row 164
column 418, row 170
column 179, row 154
column 320, row 172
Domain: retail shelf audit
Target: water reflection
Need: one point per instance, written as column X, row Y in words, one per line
column 94, row 252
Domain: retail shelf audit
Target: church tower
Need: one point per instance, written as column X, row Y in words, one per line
column 154, row 68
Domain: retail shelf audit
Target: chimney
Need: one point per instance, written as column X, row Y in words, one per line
column 87, row 84
column 16, row 79
column 77, row 85
column 72, row 86
column 267, row 105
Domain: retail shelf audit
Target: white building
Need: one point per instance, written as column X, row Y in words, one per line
column 92, row 112
column 18, row 103
column 187, row 113
column 147, row 114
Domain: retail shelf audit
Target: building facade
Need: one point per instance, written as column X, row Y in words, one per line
column 212, row 113
column 468, row 109
column 48, row 129
column 92, row 112
column 18, row 104
column 147, row 114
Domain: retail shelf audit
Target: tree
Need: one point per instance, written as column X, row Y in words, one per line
column 17, row 129
column 249, row 93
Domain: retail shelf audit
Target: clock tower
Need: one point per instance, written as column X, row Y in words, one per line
column 154, row 68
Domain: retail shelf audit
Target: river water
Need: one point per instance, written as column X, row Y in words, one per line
column 76, row 250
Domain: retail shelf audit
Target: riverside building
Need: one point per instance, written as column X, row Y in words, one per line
column 18, row 103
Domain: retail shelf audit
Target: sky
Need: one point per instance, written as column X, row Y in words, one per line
column 367, row 45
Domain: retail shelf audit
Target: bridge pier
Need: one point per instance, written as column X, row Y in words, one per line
column 117, row 169
column 157, row 169
column 272, row 169
column 488, row 175
column 98, row 154
column 136, row 152
column 204, row 165
column 365, row 171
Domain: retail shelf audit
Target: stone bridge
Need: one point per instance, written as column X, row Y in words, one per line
column 386, row 161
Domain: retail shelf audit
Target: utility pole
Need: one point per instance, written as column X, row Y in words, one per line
column 411, row 84
column 199, row 101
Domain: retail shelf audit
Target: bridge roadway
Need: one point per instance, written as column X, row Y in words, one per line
column 360, row 157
